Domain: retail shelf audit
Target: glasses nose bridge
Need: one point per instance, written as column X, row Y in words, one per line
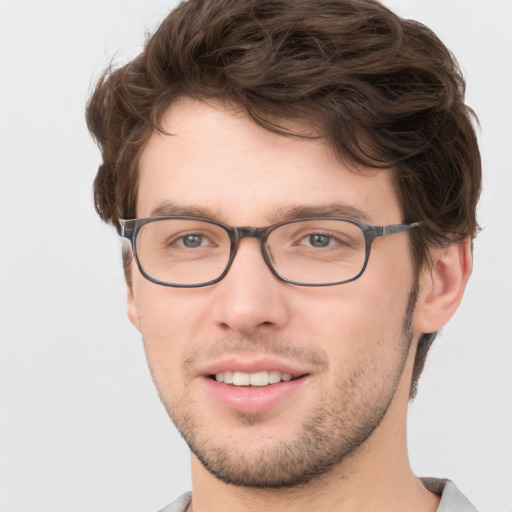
column 249, row 232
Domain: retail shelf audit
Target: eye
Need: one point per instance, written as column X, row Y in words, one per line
column 319, row 240
column 192, row 241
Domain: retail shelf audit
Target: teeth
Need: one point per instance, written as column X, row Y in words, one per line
column 258, row 379
column 252, row 379
column 241, row 379
column 275, row 377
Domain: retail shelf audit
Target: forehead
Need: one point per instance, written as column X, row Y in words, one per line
column 217, row 159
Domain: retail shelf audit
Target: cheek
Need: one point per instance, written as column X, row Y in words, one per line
column 388, row 282
column 357, row 322
column 355, row 312
column 170, row 322
column 166, row 312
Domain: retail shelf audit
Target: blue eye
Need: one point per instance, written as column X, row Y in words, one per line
column 192, row 241
column 318, row 240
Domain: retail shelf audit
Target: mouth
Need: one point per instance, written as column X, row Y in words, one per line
column 255, row 392
column 252, row 385
column 256, row 379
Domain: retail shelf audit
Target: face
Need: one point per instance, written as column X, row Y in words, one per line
column 343, row 346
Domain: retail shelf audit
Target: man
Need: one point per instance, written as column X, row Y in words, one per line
column 298, row 183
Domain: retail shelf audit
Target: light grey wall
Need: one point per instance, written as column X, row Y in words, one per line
column 81, row 428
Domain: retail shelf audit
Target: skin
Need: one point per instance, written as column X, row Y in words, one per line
column 350, row 342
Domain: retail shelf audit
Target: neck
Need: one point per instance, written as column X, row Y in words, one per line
column 388, row 485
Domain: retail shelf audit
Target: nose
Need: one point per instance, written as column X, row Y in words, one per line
column 251, row 299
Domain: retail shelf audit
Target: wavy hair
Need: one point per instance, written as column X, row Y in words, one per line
column 384, row 91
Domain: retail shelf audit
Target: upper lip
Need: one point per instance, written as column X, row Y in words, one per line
column 253, row 365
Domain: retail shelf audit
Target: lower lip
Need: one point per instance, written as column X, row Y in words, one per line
column 253, row 399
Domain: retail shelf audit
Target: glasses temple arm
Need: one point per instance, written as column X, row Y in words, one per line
column 397, row 228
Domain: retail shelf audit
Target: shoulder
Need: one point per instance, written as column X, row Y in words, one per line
column 180, row 505
column 452, row 500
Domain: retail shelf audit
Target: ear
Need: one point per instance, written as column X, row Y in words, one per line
column 133, row 312
column 442, row 285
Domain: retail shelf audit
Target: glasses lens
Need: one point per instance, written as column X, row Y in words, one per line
column 183, row 251
column 317, row 251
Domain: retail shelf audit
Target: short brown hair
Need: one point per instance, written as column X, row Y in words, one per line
column 384, row 91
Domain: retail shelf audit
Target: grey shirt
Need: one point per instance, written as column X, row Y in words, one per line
column 452, row 500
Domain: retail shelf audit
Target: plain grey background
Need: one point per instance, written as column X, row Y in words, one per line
column 81, row 427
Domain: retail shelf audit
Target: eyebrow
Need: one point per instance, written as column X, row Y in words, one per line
column 325, row 210
column 279, row 214
column 170, row 208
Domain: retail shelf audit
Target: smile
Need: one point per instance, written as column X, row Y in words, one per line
column 255, row 392
column 261, row 379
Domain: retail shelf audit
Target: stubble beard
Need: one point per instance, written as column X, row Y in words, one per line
column 331, row 434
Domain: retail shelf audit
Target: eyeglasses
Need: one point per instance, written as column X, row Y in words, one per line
column 190, row 252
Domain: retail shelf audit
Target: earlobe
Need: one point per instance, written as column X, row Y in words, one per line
column 133, row 313
column 442, row 285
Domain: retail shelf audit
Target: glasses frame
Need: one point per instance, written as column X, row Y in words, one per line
column 129, row 229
